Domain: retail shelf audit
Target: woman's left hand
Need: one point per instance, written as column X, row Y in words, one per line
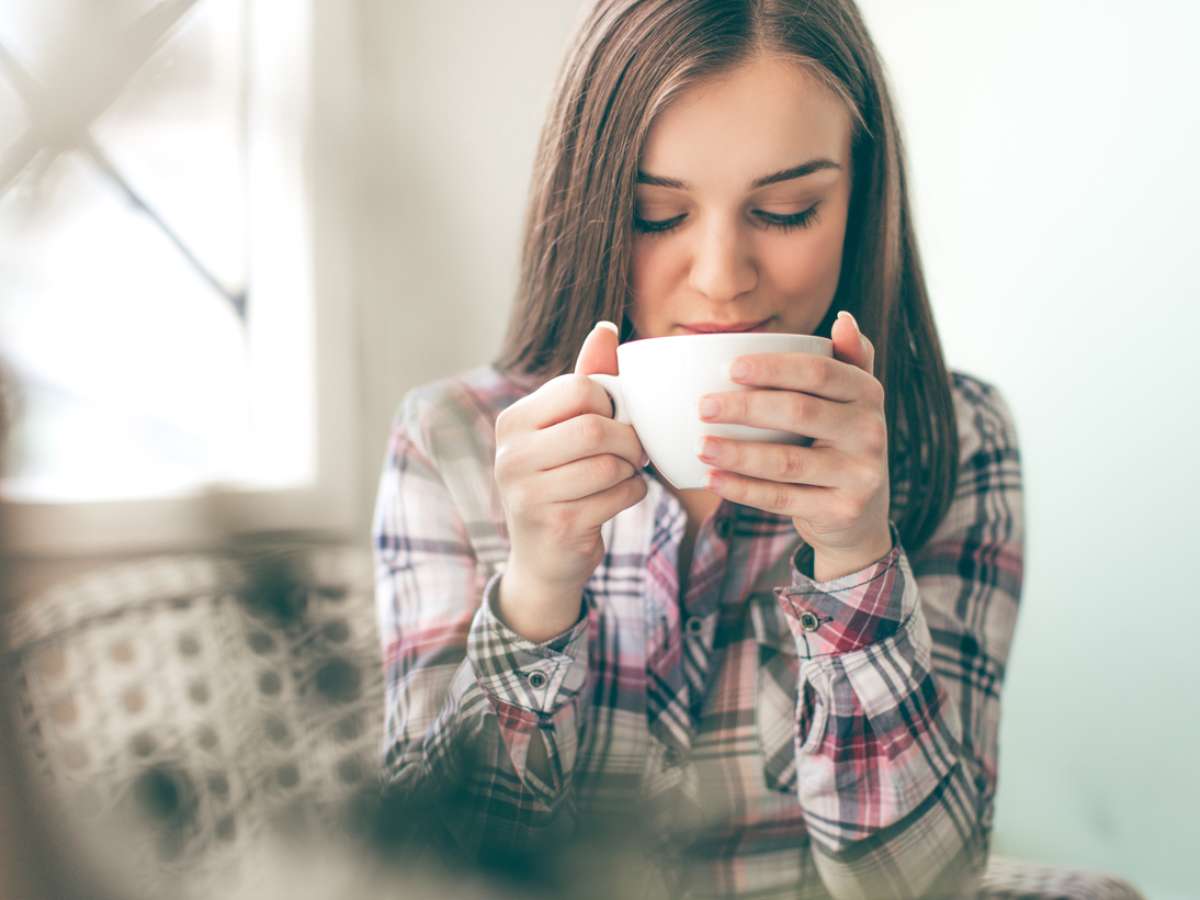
column 836, row 490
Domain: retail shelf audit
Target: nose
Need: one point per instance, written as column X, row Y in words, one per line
column 723, row 266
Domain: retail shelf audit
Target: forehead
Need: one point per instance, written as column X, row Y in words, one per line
column 761, row 117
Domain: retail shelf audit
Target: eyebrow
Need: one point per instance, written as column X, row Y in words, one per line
column 813, row 165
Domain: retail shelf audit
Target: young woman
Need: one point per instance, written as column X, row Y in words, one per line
column 810, row 651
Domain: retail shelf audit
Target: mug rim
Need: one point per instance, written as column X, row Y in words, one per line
column 755, row 335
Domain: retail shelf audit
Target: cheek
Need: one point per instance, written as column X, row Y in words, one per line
column 644, row 262
column 810, row 264
column 651, row 273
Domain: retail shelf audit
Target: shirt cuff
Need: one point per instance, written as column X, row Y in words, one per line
column 850, row 612
column 538, row 677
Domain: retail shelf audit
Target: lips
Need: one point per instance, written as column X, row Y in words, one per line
column 719, row 328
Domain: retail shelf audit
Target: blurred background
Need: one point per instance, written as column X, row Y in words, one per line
column 234, row 232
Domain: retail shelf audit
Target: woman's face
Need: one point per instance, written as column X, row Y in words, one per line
column 731, row 252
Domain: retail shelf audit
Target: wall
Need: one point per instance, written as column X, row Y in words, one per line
column 454, row 96
column 1053, row 157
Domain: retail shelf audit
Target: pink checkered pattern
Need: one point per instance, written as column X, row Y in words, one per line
column 834, row 739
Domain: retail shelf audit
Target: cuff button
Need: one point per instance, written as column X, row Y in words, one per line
column 537, row 680
column 809, row 622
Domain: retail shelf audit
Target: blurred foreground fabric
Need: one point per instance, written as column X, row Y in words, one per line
column 211, row 724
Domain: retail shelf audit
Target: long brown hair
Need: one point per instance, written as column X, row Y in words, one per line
column 629, row 59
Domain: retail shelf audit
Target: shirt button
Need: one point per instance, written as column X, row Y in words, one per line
column 695, row 625
column 724, row 528
column 809, row 622
column 537, row 680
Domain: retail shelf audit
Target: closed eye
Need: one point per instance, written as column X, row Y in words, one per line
column 802, row 219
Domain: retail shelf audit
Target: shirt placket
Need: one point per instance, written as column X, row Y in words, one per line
column 702, row 602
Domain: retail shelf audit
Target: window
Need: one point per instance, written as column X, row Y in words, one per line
column 156, row 293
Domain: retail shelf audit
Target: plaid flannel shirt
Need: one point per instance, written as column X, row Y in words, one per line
column 835, row 739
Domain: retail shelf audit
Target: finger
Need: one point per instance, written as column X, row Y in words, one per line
column 558, row 400
column 788, row 411
column 851, row 345
column 807, row 372
column 818, row 466
column 582, row 436
column 581, row 478
column 597, row 509
column 796, row 500
column 599, row 351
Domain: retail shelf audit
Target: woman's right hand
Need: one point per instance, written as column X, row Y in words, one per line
column 563, row 467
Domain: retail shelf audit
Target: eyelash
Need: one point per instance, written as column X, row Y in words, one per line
column 784, row 223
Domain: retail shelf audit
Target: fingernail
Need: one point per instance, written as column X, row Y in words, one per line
column 850, row 317
column 603, row 323
column 645, row 461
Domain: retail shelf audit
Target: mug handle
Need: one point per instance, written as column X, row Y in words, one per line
column 612, row 386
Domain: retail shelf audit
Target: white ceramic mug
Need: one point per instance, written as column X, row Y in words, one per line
column 662, row 380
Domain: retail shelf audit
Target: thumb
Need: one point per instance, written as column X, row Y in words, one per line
column 850, row 345
column 599, row 351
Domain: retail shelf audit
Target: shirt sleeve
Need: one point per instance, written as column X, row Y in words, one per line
column 470, row 704
column 901, row 667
